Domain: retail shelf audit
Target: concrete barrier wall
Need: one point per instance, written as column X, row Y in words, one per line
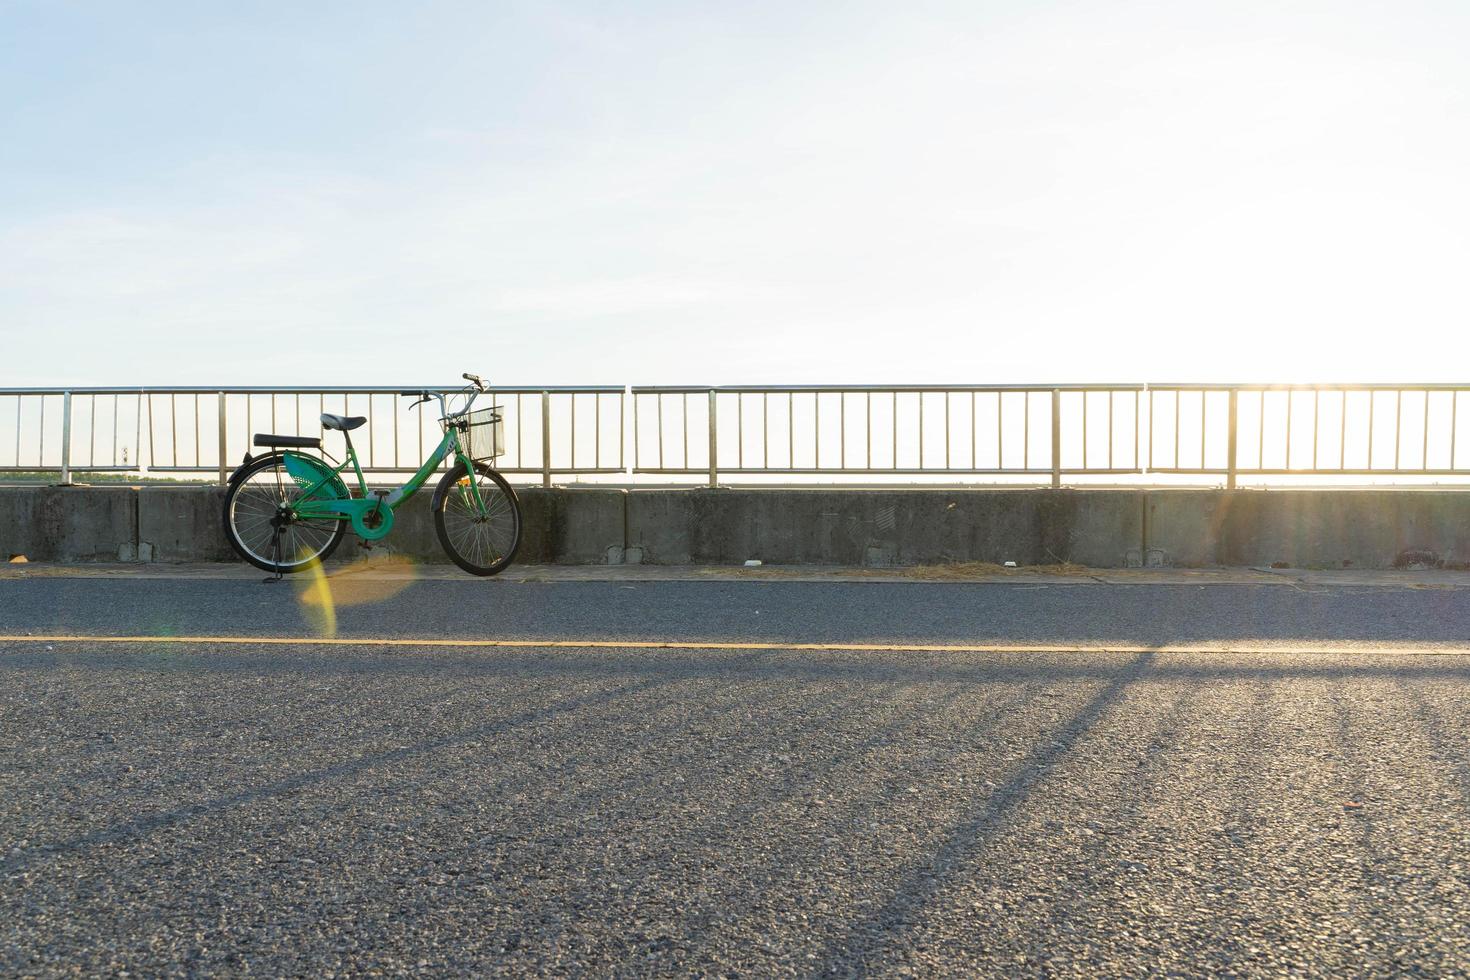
column 1100, row 528
column 885, row 527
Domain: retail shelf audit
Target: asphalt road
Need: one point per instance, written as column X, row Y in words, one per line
column 314, row 810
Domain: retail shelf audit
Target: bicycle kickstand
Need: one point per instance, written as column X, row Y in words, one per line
column 275, row 558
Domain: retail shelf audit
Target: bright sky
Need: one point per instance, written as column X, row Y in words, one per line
column 645, row 193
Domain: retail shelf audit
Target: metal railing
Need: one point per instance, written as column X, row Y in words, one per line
column 904, row 430
column 1012, row 433
column 549, row 430
column 1311, row 430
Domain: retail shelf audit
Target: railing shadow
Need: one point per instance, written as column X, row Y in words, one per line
column 920, row 884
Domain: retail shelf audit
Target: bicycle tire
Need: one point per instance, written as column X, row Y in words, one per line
column 258, row 497
column 470, row 549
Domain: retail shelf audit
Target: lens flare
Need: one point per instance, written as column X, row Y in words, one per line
column 317, row 601
column 321, row 595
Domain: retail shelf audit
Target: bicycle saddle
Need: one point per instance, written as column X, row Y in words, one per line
column 342, row 423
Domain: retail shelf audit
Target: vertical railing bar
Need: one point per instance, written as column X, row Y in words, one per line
column 622, row 425
column 1000, row 430
column 765, row 430
column 197, row 461
column 921, row 430
column 1056, row 437
column 1372, row 408
column 273, row 410
column 1454, row 418
column 19, row 404
column 597, row 431
column 1342, row 433
column 66, row 438
column 92, row 433
column 868, row 428
column 974, row 440
column 947, row 400
column 1204, row 412
column 790, row 431
column 1112, row 401
column 1398, row 425
column 659, row 400
column 520, row 435
column 1261, row 436
column 1026, row 432
column 895, row 428
column 1316, row 416
column 1424, row 460
column 372, row 432
column 114, row 430
column 1153, row 428
column 714, row 445
column 397, row 456
column 1232, row 445
column 1137, row 427
column 298, row 413
column 1084, row 431
column 842, row 429
column 546, row 439
column 1290, row 402
column 816, row 430
column 573, row 461
column 223, row 438
column 740, row 430
column 1204, row 407
column 684, row 401
column 1176, row 430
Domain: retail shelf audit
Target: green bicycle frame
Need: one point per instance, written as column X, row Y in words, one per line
column 380, row 505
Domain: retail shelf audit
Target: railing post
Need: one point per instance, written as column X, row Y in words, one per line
column 1056, row 437
column 1230, row 463
column 713, row 441
column 66, row 438
column 546, row 439
column 223, row 476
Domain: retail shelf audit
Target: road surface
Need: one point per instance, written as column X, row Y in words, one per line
column 1066, row 777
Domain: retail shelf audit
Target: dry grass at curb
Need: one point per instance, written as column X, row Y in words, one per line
column 975, row 569
column 947, row 572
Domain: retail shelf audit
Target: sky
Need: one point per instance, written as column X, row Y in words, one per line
column 713, row 193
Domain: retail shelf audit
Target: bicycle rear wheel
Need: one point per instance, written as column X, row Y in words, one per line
column 482, row 541
column 259, row 525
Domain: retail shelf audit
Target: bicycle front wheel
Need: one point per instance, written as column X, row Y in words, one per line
column 479, row 536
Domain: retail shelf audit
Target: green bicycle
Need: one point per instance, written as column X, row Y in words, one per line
column 287, row 511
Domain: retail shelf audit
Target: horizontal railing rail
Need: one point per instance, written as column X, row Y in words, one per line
column 1013, row 433
column 182, row 430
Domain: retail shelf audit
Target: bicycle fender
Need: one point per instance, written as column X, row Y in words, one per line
column 437, row 500
column 239, row 472
column 306, row 470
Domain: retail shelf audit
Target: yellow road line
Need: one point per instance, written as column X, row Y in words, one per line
column 1329, row 647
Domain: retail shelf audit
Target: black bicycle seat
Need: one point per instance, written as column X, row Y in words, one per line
column 342, row 423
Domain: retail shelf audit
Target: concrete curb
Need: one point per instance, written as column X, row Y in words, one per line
column 1098, row 528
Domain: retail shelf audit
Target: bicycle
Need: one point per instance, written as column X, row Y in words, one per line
column 287, row 511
